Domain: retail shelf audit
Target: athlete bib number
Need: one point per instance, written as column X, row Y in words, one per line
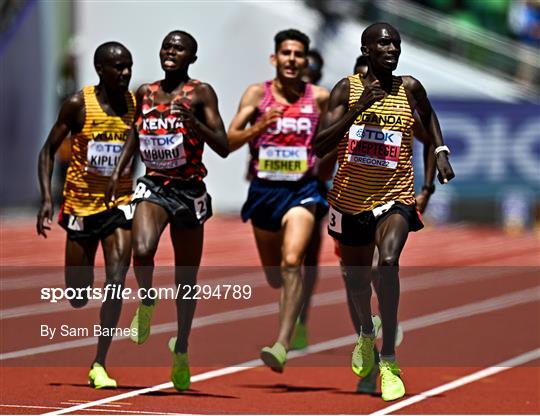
column 334, row 220
column 163, row 152
column 282, row 163
column 102, row 157
column 201, row 208
column 374, row 146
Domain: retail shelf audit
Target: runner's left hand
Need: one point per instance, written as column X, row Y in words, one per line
column 45, row 213
column 446, row 173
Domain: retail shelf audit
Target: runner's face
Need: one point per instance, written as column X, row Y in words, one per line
column 384, row 49
column 290, row 59
column 116, row 70
column 176, row 53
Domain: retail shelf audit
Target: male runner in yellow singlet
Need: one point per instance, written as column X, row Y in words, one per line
column 98, row 119
column 370, row 120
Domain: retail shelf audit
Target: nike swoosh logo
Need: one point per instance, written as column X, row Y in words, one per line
column 145, row 112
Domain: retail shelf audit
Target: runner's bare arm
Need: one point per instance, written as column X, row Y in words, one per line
column 420, row 103
column 326, row 164
column 70, row 119
column 212, row 129
column 129, row 149
column 339, row 117
column 238, row 134
column 420, row 133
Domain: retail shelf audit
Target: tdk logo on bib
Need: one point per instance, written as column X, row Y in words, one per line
column 376, row 134
column 287, row 125
column 102, row 157
column 286, row 153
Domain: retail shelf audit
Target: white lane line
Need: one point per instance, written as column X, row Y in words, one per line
column 488, row 305
column 447, row 277
column 73, row 402
column 471, row 378
column 110, row 411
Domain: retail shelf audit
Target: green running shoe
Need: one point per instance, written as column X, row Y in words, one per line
column 140, row 325
column 392, row 386
column 99, row 379
column 299, row 341
column 180, row 375
column 368, row 384
column 363, row 358
column 274, row 357
column 377, row 324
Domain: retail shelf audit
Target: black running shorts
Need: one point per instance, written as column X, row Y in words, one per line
column 187, row 202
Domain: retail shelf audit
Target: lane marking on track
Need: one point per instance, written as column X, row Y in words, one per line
column 443, row 278
column 74, row 402
column 471, row 378
column 142, row 412
column 475, row 308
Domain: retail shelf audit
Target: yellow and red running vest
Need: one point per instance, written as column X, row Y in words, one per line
column 94, row 154
column 375, row 154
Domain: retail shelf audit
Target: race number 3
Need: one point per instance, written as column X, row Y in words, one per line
column 200, row 207
column 334, row 220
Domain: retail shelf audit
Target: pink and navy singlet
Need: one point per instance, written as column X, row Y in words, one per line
column 167, row 148
column 284, row 152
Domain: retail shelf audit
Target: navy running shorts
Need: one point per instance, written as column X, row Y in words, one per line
column 269, row 201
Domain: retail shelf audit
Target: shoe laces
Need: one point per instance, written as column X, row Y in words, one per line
column 390, row 366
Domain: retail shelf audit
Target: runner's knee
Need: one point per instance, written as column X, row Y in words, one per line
column 143, row 251
column 389, row 259
column 291, row 260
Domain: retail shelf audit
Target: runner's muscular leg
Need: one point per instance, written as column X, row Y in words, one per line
column 188, row 245
column 390, row 237
column 357, row 263
column 149, row 221
column 117, row 253
column 297, row 225
column 269, row 248
column 79, row 271
column 311, row 269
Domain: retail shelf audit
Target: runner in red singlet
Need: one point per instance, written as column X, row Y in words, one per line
column 175, row 118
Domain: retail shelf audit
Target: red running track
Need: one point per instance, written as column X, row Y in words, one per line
column 458, row 320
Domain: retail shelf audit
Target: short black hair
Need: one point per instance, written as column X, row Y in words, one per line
column 103, row 52
column 315, row 54
column 291, row 34
column 373, row 29
column 362, row 60
column 194, row 45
